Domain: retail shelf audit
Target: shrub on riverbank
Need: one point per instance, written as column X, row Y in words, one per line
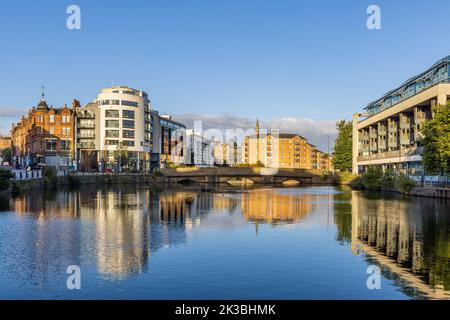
column 73, row 180
column 16, row 188
column 405, row 184
column 345, row 177
column 374, row 179
column 50, row 177
column 5, row 176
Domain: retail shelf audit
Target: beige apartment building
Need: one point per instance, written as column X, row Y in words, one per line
column 283, row 150
column 388, row 134
column 5, row 142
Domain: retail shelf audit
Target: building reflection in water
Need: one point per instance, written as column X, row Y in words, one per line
column 395, row 232
column 274, row 207
column 118, row 228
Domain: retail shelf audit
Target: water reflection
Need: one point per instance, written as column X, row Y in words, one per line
column 116, row 231
column 410, row 238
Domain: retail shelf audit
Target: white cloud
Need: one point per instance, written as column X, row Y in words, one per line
column 8, row 116
column 315, row 131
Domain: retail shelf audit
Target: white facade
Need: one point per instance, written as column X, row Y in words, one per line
column 123, row 123
column 199, row 150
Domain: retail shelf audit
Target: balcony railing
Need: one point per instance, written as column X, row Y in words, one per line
column 391, row 154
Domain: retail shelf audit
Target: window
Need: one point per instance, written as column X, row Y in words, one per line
column 112, row 113
column 112, row 123
column 112, row 142
column 65, row 145
column 128, row 134
column 129, row 103
column 128, row 114
column 65, row 131
column 65, row 119
column 129, row 124
column 86, row 133
column 50, row 145
column 110, row 102
column 86, row 123
column 51, row 130
column 51, row 118
column 128, row 143
column 112, row 133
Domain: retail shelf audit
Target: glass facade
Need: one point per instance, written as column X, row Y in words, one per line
column 438, row 73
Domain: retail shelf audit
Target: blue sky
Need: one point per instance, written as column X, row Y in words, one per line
column 302, row 60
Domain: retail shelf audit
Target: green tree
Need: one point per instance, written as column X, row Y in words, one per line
column 436, row 141
column 342, row 154
column 6, row 154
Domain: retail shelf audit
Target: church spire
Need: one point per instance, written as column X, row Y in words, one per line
column 43, row 93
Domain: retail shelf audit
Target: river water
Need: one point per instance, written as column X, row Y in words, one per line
column 260, row 243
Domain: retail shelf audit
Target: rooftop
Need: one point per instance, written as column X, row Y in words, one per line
column 438, row 73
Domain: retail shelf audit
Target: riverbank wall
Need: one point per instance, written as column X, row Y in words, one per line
column 427, row 192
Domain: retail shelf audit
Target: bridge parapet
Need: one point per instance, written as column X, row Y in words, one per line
column 186, row 172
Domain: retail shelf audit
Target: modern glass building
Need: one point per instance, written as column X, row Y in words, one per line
column 388, row 134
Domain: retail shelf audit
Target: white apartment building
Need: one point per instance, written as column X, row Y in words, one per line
column 227, row 154
column 124, row 125
column 199, row 149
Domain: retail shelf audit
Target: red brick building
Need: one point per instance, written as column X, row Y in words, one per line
column 45, row 136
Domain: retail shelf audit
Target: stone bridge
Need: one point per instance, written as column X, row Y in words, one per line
column 241, row 175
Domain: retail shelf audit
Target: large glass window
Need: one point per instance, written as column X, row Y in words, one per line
column 129, row 124
column 128, row 134
column 85, row 123
column 112, row 123
column 128, row 114
column 110, row 102
column 83, row 133
column 51, row 118
column 112, row 133
column 112, row 113
column 129, row 103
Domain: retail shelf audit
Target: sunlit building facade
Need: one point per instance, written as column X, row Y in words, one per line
column 282, row 150
column 5, row 142
column 45, row 137
column 388, row 135
column 123, row 119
